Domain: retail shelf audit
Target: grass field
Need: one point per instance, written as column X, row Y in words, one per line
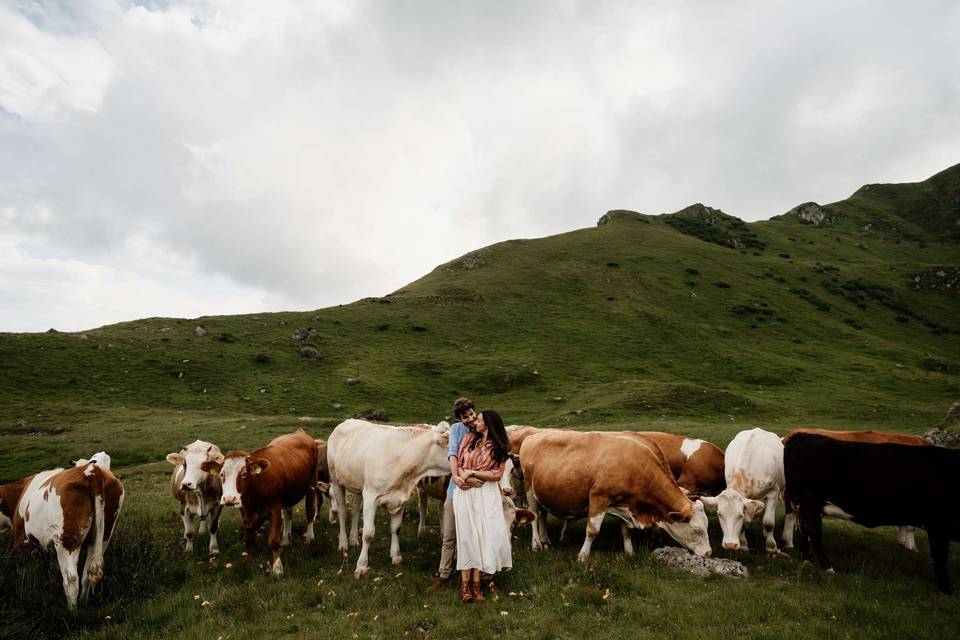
column 648, row 322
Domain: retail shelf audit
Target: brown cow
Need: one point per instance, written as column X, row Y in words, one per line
column 65, row 509
column 696, row 464
column 905, row 535
column 266, row 483
column 575, row 475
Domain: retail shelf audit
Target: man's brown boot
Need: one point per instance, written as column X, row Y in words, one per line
column 438, row 583
column 478, row 593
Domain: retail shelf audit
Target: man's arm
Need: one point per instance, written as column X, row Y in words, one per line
column 457, row 431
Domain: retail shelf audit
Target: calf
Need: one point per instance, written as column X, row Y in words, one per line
column 905, row 535
column 383, row 464
column 573, row 475
column 195, row 483
column 754, row 474
column 65, row 510
column 874, row 485
column 266, row 483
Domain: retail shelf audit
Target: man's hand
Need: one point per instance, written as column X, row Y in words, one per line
column 474, row 482
column 461, row 483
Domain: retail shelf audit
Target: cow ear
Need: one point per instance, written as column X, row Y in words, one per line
column 677, row 516
column 212, row 466
column 441, row 438
column 215, row 457
column 709, row 502
column 751, row 509
column 516, row 460
column 323, row 487
column 175, row 459
column 525, row 516
column 258, row 466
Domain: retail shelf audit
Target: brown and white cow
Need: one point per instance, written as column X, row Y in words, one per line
column 696, row 464
column 383, row 464
column 65, row 510
column 267, row 483
column 574, row 475
column 195, row 483
column 905, row 535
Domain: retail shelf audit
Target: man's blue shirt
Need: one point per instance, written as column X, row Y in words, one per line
column 457, row 432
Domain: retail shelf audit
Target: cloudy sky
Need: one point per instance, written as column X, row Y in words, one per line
column 230, row 156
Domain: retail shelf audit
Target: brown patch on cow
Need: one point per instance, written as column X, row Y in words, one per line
column 10, row 495
column 870, row 437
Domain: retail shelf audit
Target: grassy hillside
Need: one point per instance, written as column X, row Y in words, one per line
column 693, row 322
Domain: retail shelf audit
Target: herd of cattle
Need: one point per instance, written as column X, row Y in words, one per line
column 643, row 478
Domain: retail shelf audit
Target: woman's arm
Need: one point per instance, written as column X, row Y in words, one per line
column 487, row 476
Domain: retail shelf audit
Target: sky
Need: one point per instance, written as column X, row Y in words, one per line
column 215, row 157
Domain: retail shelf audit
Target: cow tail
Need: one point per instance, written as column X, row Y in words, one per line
column 94, row 564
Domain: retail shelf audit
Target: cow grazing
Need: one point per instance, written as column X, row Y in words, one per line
column 100, row 458
column 873, row 485
column 65, row 510
column 383, row 464
column 574, row 475
column 905, row 535
column 195, row 483
column 754, row 474
column 267, row 483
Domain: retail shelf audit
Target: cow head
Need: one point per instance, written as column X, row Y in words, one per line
column 733, row 510
column 512, row 514
column 100, row 458
column 198, row 459
column 236, row 474
column 692, row 533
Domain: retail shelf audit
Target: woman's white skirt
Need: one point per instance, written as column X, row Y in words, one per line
column 483, row 541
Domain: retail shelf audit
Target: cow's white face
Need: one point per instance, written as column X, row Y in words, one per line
column 733, row 510
column 100, row 458
column 514, row 515
column 195, row 457
column 232, row 474
column 693, row 535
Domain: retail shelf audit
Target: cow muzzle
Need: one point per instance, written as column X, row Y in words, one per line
column 230, row 501
column 731, row 546
column 187, row 486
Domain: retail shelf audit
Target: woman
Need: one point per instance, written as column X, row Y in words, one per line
column 483, row 542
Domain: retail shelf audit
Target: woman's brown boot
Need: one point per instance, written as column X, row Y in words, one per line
column 477, row 593
column 466, row 592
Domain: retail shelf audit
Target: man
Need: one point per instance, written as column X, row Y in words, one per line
column 466, row 415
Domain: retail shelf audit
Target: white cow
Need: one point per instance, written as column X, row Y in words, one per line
column 100, row 458
column 383, row 464
column 195, row 483
column 753, row 467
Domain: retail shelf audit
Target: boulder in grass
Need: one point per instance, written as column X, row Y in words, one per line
column 699, row 565
column 200, row 332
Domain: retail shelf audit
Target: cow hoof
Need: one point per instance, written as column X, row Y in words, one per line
column 354, row 543
column 277, row 567
column 831, row 571
column 360, row 572
column 582, row 557
column 420, row 533
column 396, row 560
column 308, row 539
column 188, row 548
column 776, row 553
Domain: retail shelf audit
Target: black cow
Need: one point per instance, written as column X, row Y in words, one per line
column 874, row 485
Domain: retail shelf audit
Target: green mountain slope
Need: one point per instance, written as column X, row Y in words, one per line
column 690, row 315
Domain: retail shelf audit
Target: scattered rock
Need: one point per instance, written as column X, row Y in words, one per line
column 304, row 334
column 377, row 415
column 810, row 213
column 310, row 353
column 699, row 566
column 262, row 389
column 953, row 414
column 200, row 332
column 350, row 381
column 558, row 399
column 941, row 438
column 337, row 406
column 942, row 279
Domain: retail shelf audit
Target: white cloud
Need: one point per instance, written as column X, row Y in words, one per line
column 326, row 151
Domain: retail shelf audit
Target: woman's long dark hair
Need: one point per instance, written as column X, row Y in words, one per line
column 496, row 434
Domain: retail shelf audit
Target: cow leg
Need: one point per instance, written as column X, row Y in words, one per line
column 311, row 512
column 939, row 550
column 535, row 543
column 355, row 523
column 563, row 531
column 593, row 529
column 277, row 525
column 423, row 504
column 337, row 498
column 369, row 529
column 68, row 571
column 332, row 508
column 214, row 527
column 811, row 521
column 743, row 537
column 627, row 539
column 905, row 538
column 189, row 528
column 769, row 519
column 396, row 518
column 789, row 526
column 287, row 536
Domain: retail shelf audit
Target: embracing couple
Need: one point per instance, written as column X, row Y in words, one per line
column 473, row 522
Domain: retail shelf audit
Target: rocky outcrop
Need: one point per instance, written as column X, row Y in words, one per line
column 810, row 213
column 942, row 279
column 621, row 214
column 698, row 565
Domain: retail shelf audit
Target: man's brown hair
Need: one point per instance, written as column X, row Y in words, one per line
column 461, row 406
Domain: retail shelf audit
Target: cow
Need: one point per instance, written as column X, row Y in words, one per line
column 574, row 475
column 101, row 458
column 323, row 480
column 267, row 483
column 873, row 485
column 697, row 465
column 905, row 535
column 754, row 473
column 383, row 464
column 195, row 483
column 65, row 510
